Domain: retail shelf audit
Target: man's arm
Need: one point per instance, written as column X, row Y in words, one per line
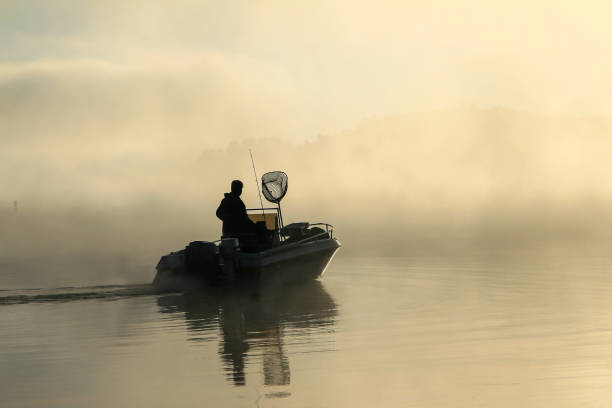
column 245, row 216
column 220, row 211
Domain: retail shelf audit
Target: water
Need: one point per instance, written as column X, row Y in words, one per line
column 486, row 330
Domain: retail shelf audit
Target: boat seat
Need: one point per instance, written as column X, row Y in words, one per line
column 296, row 229
column 314, row 233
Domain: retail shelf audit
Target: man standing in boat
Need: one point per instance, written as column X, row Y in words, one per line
column 232, row 212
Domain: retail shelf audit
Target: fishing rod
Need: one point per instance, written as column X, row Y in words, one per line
column 257, row 182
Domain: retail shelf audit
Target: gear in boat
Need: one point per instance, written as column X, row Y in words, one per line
column 268, row 251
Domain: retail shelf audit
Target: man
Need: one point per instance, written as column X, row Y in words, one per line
column 233, row 212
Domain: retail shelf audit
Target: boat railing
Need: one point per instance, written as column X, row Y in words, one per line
column 311, row 238
column 328, row 228
column 329, row 231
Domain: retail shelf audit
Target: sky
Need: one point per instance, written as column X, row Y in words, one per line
column 308, row 67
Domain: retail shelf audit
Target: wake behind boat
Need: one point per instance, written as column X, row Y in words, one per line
column 285, row 253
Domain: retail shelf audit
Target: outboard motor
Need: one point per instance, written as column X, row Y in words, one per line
column 200, row 257
column 228, row 249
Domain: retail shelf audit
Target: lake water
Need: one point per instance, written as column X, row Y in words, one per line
column 502, row 329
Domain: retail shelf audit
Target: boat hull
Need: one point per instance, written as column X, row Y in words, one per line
column 284, row 264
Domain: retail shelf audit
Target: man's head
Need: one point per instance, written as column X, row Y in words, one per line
column 237, row 187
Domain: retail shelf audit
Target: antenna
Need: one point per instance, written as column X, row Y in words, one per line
column 257, row 182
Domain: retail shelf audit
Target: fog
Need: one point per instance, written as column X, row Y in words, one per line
column 443, row 175
column 407, row 126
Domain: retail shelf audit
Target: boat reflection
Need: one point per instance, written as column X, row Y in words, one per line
column 252, row 322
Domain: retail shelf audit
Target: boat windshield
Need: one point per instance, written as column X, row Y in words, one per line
column 270, row 216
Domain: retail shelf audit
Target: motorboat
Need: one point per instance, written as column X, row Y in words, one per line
column 284, row 253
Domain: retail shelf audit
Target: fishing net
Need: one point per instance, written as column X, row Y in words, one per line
column 274, row 186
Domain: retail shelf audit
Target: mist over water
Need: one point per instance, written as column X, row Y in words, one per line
column 430, row 181
column 122, row 126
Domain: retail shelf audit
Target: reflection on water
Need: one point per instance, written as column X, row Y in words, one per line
column 252, row 322
column 494, row 330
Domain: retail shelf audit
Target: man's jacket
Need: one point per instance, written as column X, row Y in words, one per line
column 233, row 214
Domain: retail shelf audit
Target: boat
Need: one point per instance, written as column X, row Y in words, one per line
column 295, row 252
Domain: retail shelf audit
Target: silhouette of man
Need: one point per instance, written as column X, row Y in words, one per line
column 233, row 212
